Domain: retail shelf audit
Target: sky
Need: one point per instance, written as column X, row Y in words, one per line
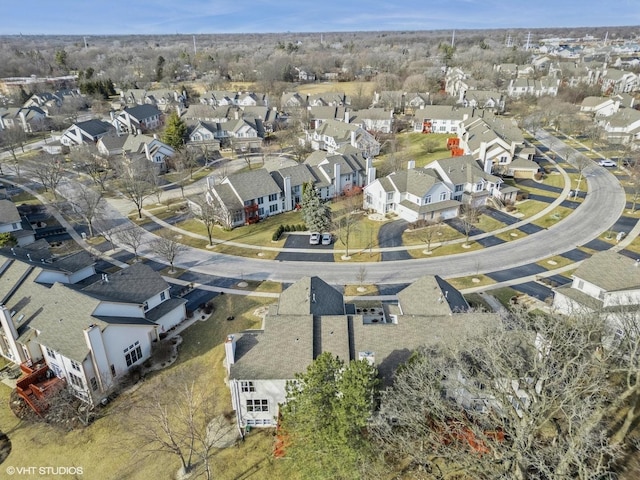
column 86, row 17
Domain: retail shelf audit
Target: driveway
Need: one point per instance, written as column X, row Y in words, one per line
column 390, row 235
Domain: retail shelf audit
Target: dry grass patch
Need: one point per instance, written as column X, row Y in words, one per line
column 553, row 217
column 511, row 235
column 357, row 290
column 552, row 263
column 470, row 281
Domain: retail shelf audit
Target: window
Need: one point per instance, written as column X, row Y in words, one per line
column 113, row 370
column 580, row 285
column 94, row 384
column 427, row 199
column 443, row 196
column 459, row 188
column 257, row 405
column 75, row 365
column 50, row 352
column 479, row 187
column 261, row 211
column 247, row 386
column 390, row 196
column 133, row 353
column 504, row 159
column 260, row 200
column 163, row 296
column 76, row 381
column 145, row 306
column 273, row 208
column 259, row 421
column 273, row 197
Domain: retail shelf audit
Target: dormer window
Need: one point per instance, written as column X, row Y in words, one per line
column 145, row 306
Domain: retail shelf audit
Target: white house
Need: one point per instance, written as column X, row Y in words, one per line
column 440, row 119
column 141, row 118
column 607, row 283
column 86, row 132
column 110, row 329
column 412, row 194
column 334, row 134
column 623, row 126
column 311, row 317
column 154, row 150
column 11, row 222
column 599, row 106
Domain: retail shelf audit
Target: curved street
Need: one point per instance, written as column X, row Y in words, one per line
column 602, row 207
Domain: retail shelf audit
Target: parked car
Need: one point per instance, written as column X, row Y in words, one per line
column 326, row 239
column 605, row 162
column 314, row 238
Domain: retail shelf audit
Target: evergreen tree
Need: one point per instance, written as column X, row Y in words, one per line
column 175, row 131
column 317, row 215
column 325, row 415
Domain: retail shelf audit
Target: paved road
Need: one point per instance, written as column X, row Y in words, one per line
column 599, row 211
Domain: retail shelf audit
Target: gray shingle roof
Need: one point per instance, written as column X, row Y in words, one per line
column 134, row 284
column 8, row 212
column 610, row 271
column 415, row 181
column 464, row 169
column 311, row 295
column 299, row 175
column 94, row 127
column 142, row 112
column 253, row 184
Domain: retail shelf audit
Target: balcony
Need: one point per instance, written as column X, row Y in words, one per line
column 38, row 385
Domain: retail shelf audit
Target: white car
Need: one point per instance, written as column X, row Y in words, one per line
column 605, row 162
column 326, row 239
column 314, row 238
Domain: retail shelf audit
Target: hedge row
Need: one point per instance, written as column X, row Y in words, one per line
column 301, row 227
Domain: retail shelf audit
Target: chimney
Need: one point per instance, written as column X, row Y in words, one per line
column 23, row 119
column 347, row 116
column 230, row 351
column 236, row 115
column 146, row 151
column 288, row 199
column 178, row 111
column 101, row 366
column 411, row 164
column 353, row 138
column 336, row 179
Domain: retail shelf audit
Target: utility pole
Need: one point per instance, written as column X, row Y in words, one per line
column 195, row 51
column 453, row 39
column 528, row 41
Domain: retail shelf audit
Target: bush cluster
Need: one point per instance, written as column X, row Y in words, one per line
column 301, row 227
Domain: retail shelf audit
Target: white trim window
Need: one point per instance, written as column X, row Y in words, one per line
column 133, row 353
column 257, row 405
column 247, row 386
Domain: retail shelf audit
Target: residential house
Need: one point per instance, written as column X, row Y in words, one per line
column 13, row 223
column 291, row 181
column 340, row 172
column 599, row 106
column 135, row 146
column 311, row 317
column 519, row 87
column 30, row 119
column 207, row 133
column 252, row 99
column 623, row 126
column 607, row 283
column 138, row 119
column 334, row 134
column 317, row 115
column 163, row 99
column 458, row 83
column 412, row 194
column 111, row 329
column 305, row 75
column 292, row 100
column 440, row 119
column 246, row 197
column 266, row 119
column 616, row 81
column 391, row 99
column 485, row 100
column 372, row 119
column 325, row 99
column 415, row 100
column 499, row 145
column 86, row 132
column 470, row 183
column 219, row 98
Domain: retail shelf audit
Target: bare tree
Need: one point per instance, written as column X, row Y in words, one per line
column 469, row 218
column 430, row 232
column 48, row 170
column 184, row 424
column 131, row 237
column 13, row 138
column 361, row 275
column 634, row 183
column 531, row 400
column 87, row 204
column 210, row 213
column 136, row 182
column 87, row 159
column 167, row 246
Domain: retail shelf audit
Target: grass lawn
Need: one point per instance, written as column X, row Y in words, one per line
column 352, row 290
column 449, row 249
column 510, row 235
column 558, row 180
column 412, row 146
column 529, row 207
column 488, row 224
column 552, row 263
column 634, row 246
column 504, row 295
column 108, row 450
column 553, row 217
column 349, row 88
column 444, row 234
column 476, row 301
column 24, row 197
column 468, row 282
